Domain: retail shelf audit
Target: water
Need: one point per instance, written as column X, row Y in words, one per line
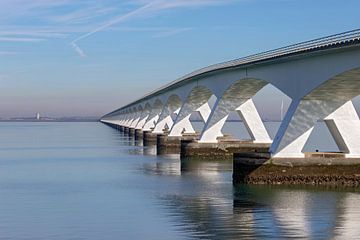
column 88, row 181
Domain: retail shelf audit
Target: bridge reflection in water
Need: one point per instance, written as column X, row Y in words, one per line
column 205, row 205
column 260, row 212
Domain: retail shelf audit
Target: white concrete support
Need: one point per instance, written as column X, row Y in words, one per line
column 232, row 99
column 339, row 115
column 182, row 123
column 123, row 119
column 344, row 126
column 217, row 119
column 116, row 122
column 152, row 119
column 136, row 119
column 204, row 111
column 129, row 120
column 165, row 120
column 120, row 119
column 253, row 123
column 247, row 112
column 142, row 120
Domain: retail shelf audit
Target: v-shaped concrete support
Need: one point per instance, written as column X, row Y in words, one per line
column 339, row 115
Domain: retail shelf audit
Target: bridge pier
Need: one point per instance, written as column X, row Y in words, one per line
column 132, row 132
column 321, row 77
column 139, row 135
column 149, row 138
column 331, row 169
column 224, row 149
column 172, row 144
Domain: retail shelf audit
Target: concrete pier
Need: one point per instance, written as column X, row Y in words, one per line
column 318, row 168
column 252, row 162
column 149, row 138
column 139, row 135
column 223, row 150
column 132, row 132
column 213, row 94
column 172, row 144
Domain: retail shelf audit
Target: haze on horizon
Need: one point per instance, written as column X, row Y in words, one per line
column 88, row 57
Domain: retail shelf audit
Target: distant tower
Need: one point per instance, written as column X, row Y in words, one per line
column 38, row 116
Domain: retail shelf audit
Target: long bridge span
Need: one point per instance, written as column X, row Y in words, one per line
column 320, row 76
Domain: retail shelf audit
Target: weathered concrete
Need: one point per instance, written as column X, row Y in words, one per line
column 139, row 135
column 132, row 131
column 149, row 138
column 172, row 144
column 223, row 150
column 315, row 169
column 167, row 144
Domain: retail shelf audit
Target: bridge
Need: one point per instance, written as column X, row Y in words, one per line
column 321, row 77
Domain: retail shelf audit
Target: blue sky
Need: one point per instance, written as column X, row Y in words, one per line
column 88, row 57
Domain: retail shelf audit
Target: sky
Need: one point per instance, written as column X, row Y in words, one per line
column 89, row 57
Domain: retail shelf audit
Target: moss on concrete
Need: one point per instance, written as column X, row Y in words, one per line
column 339, row 175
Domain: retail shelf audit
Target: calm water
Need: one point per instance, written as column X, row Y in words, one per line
column 88, row 181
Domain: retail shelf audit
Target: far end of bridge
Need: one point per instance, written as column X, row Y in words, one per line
column 321, row 77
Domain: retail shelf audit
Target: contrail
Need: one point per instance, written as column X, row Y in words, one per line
column 78, row 50
column 143, row 9
column 152, row 6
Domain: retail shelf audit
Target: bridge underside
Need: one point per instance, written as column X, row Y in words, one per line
column 320, row 86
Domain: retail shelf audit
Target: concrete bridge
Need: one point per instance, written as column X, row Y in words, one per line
column 321, row 77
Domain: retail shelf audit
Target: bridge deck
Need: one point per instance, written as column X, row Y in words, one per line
column 345, row 39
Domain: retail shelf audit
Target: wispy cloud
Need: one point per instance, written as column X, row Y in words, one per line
column 41, row 20
column 20, row 39
column 172, row 32
column 82, row 15
column 43, row 33
column 149, row 7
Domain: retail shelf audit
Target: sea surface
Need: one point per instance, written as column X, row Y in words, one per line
column 89, row 181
